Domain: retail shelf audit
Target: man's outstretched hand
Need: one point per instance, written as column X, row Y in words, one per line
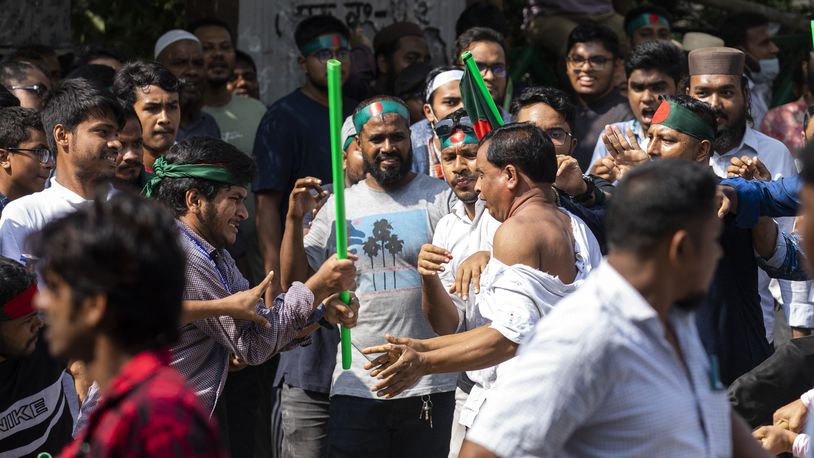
column 399, row 368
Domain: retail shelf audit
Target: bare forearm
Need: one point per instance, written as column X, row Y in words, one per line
column 269, row 233
column 482, row 349
column 743, row 444
column 199, row 310
column 293, row 264
column 447, row 340
column 437, row 305
column 764, row 237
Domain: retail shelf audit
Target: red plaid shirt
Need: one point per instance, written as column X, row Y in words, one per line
column 148, row 411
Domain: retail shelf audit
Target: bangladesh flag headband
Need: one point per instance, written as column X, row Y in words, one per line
column 327, row 41
column 212, row 172
column 644, row 19
column 20, row 305
column 379, row 108
column 676, row 117
column 459, row 134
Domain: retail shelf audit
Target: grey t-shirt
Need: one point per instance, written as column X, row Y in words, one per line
column 386, row 230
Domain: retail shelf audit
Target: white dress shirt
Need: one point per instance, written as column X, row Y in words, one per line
column 463, row 237
column 598, row 378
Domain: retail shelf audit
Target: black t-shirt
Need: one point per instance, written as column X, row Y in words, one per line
column 294, row 141
column 38, row 404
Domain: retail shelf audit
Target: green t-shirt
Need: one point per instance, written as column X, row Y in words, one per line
column 238, row 121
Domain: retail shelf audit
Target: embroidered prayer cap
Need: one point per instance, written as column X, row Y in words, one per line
column 716, row 61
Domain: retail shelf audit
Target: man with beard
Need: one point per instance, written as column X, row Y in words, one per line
column 716, row 77
column 243, row 82
column 25, row 160
column 293, row 140
column 593, row 56
column 152, row 91
column 654, row 69
column 97, row 263
column 129, row 160
column 391, row 214
column 29, row 377
column 617, row 368
column 81, row 124
column 540, row 254
column 237, row 117
column 180, row 51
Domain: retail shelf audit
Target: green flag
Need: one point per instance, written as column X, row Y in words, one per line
column 477, row 100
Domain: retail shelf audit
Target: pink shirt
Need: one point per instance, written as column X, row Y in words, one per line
column 785, row 123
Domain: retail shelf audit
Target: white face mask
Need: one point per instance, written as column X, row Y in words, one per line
column 769, row 69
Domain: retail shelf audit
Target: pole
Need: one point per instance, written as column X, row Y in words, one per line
column 335, row 119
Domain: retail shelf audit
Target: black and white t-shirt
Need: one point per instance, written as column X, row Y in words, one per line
column 38, row 405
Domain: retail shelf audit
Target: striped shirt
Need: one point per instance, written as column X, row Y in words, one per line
column 202, row 352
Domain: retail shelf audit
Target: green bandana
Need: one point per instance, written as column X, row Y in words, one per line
column 642, row 20
column 347, row 142
column 328, row 41
column 212, row 172
column 379, row 108
column 676, row 117
column 461, row 133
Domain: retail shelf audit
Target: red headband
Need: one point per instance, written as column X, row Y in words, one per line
column 19, row 306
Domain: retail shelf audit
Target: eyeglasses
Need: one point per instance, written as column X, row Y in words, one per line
column 595, row 61
column 44, row 155
column 558, row 135
column 324, row 55
column 499, row 70
column 38, row 89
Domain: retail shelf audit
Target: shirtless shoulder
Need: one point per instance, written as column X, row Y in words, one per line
column 533, row 237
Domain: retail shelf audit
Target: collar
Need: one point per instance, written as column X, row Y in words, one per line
column 459, row 210
column 749, row 140
column 188, row 230
column 135, row 372
column 623, row 296
column 66, row 193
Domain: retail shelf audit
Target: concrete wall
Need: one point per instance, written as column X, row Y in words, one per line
column 266, row 31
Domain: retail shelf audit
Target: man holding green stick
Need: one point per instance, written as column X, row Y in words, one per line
column 390, row 215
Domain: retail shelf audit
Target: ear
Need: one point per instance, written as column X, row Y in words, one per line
column 704, row 150
column 382, row 65
column 573, row 145
column 61, row 137
column 429, row 114
column 679, row 248
column 301, row 63
column 5, row 158
column 512, row 179
column 193, row 200
column 93, row 310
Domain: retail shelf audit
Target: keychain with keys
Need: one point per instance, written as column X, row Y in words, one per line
column 426, row 409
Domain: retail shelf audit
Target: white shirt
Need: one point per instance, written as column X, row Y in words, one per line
column 780, row 163
column 30, row 213
column 601, row 151
column 463, row 237
column 517, row 297
column 599, row 379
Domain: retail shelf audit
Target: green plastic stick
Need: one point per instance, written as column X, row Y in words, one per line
column 469, row 61
column 812, row 31
column 335, row 119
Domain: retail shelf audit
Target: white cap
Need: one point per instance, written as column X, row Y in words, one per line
column 348, row 131
column 698, row 40
column 171, row 37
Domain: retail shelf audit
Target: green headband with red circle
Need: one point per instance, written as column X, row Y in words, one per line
column 379, row 108
column 327, row 41
column 674, row 116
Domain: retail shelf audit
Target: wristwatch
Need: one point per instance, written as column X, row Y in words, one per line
column 590, row 191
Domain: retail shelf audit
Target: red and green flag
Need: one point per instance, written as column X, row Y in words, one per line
column 477, row 100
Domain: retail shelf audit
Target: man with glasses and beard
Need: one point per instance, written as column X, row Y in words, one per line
column 391, row 214
column 25, row 160
column 180, row 51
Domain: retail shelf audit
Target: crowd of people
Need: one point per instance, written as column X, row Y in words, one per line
column 598, row 273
